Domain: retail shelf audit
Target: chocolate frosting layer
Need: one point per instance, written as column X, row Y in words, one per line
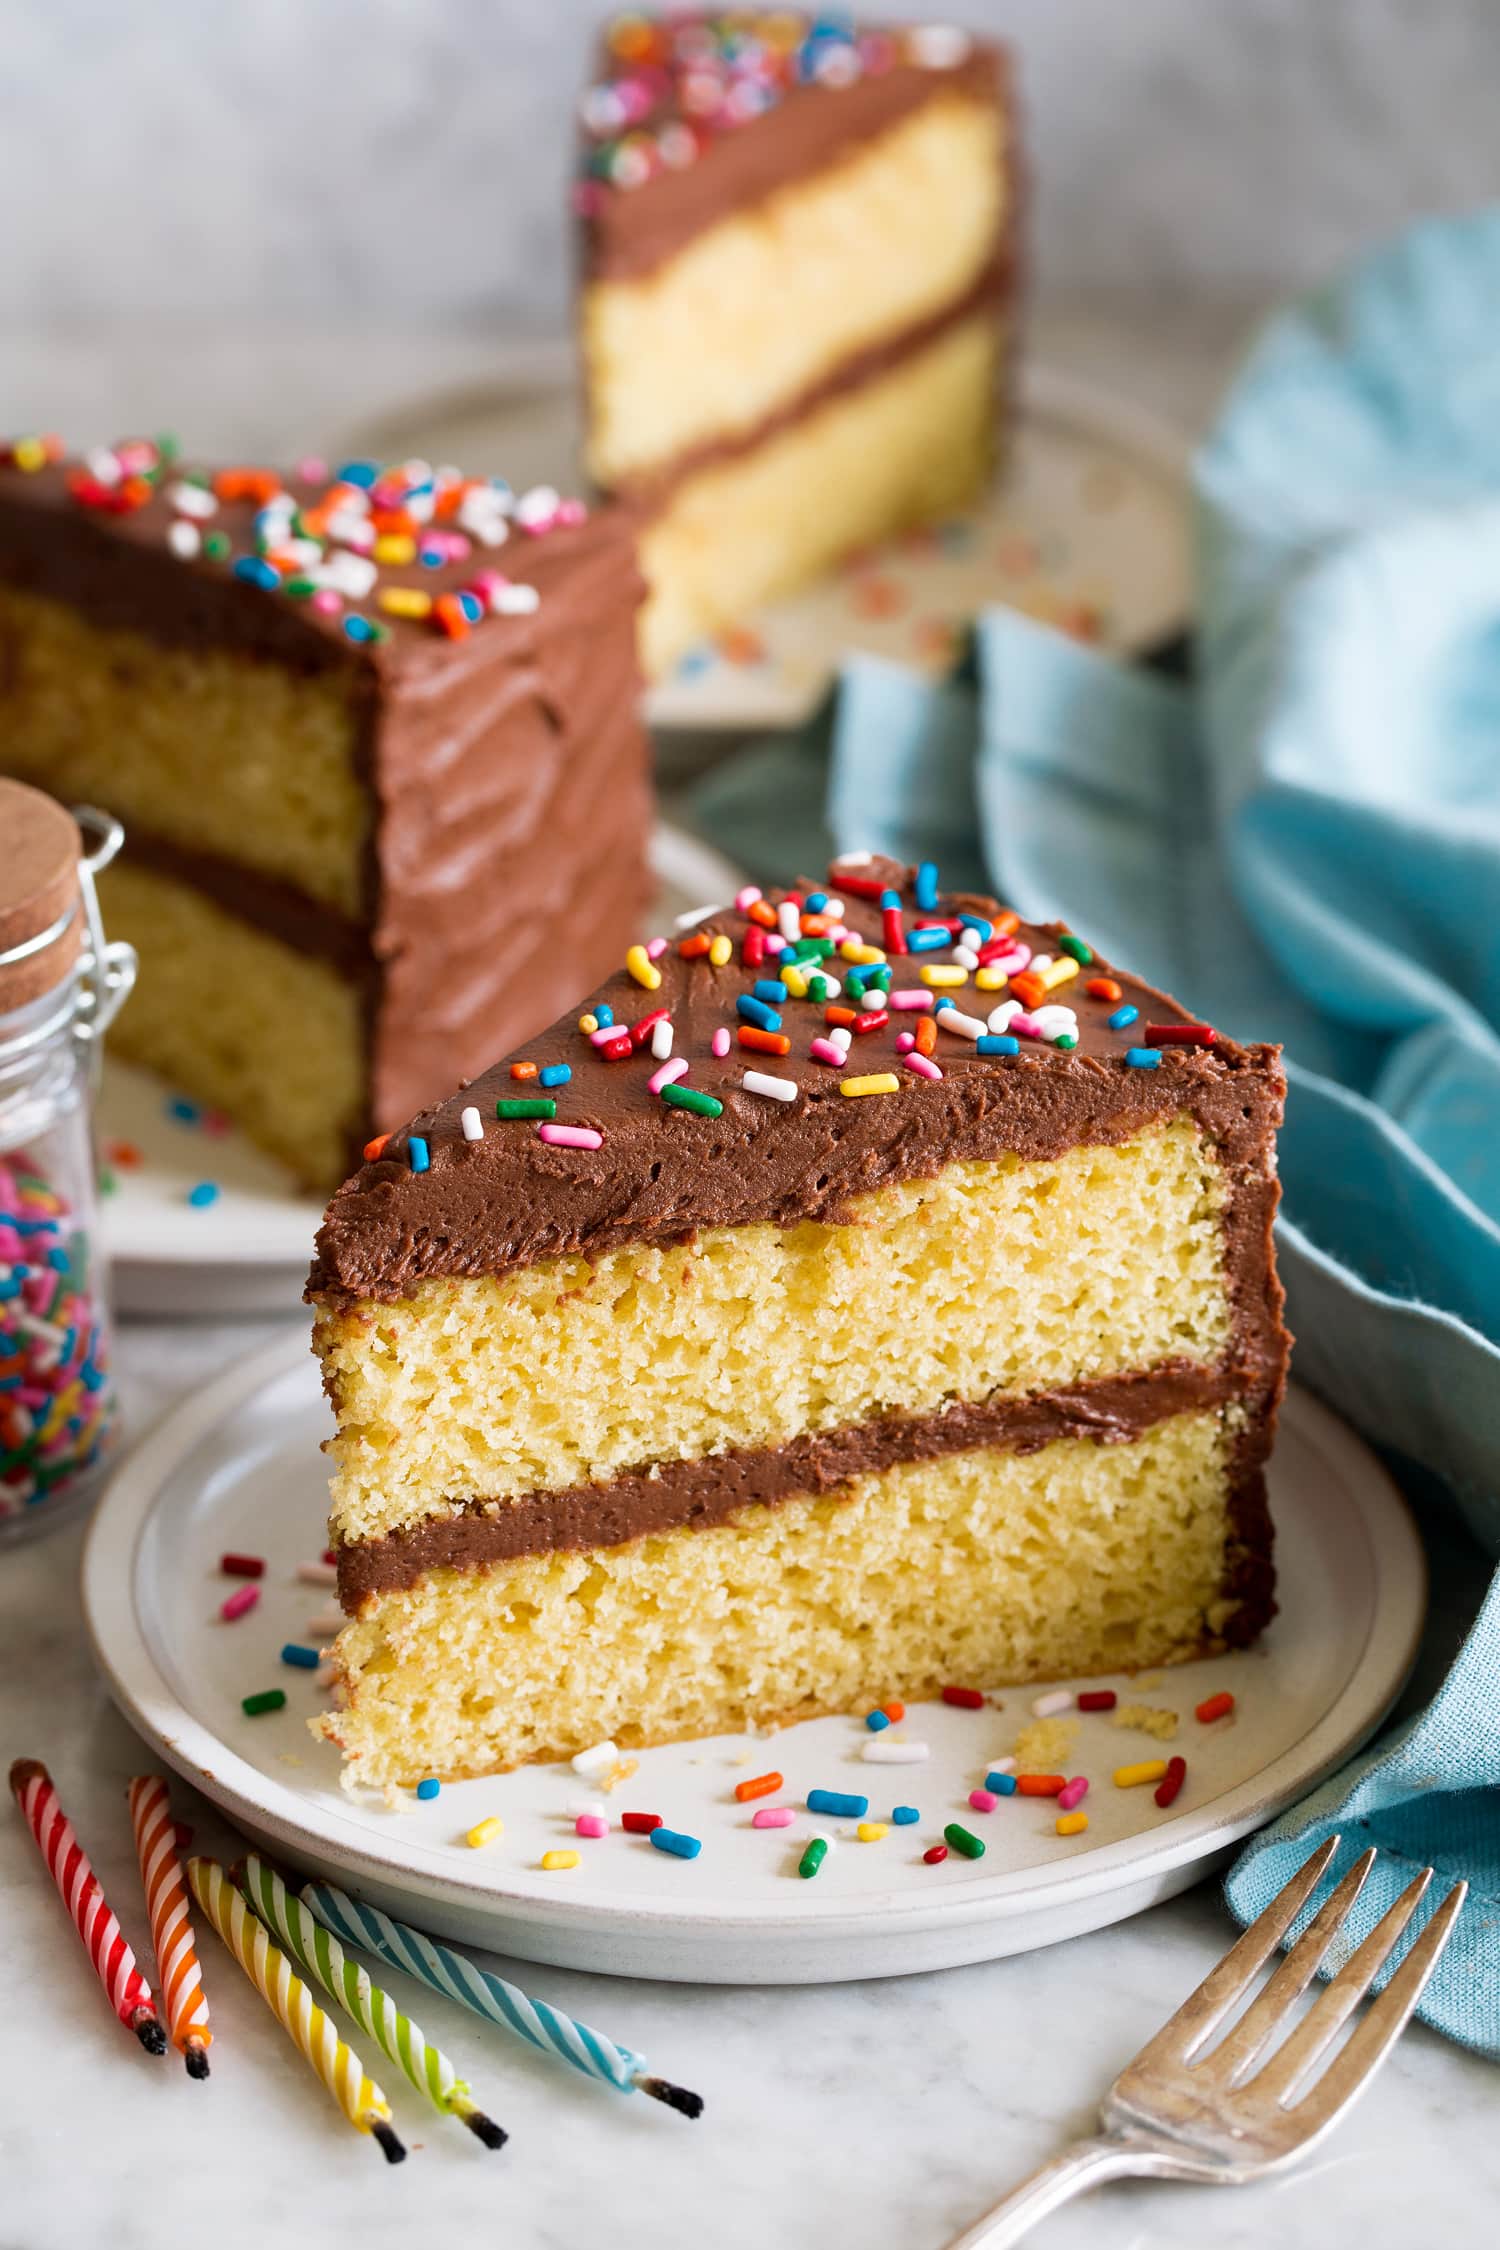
column 695, row 1495
column 630, row 232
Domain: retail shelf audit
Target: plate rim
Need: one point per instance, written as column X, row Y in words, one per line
column 123, row 1652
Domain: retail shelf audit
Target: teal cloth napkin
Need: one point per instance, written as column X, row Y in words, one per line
column 1305, row 841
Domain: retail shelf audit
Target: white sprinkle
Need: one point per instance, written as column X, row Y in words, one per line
column 778, row 1089
column 103, row 466
column 1000, row 1765
column 1000, row 1018
column 842, row 1037
column 834, row 987
column 184, row 539
column 192, row 500
column 299, row 554
column 789, row 916
column 515, row 601
column 353, row 575
column 661, row 1039
column 325, row 1624
column 472, row 1124
column 967, row 1027
column 1048, row 1706
column 834, row 908
column 1039, row 962
column 317, row 1574
column 539, row 505
column 938, row 46
column 964, row 957
column 855, row 859
column 578, row 1807
column 694, row 916
column 597, row 1760
column 880, row 1750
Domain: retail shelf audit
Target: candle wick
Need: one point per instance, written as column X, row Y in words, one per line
column 675, row 2097
column 147, row 2028
column 395, row 2152
column 196, row 2057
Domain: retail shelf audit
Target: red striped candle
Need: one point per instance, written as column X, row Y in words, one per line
column 79, row 1889
column 171, row 1928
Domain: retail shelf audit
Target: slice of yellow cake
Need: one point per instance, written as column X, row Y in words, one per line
column 866, row 1291
column 339, row 713
column 798, row 273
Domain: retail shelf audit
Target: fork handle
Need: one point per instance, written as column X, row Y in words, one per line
column 1075, row 2169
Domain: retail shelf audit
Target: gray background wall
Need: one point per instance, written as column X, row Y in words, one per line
column 252, row 183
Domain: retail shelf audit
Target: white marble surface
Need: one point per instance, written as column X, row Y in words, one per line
column 888, row 2113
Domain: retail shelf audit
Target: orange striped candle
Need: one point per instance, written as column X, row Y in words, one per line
column 177, row 1969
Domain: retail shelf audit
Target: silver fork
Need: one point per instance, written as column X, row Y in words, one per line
column 1182, row 2111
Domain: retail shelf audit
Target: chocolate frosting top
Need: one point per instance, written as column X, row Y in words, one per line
column 662, row 1173
column 675, row 140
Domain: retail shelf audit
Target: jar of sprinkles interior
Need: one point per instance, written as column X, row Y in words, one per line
column 60, row 985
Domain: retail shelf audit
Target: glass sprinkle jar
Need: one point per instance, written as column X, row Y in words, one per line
column 60, row 986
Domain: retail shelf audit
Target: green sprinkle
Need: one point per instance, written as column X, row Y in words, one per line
column 299, row 589
column 1081, row 953
column 108, row 1184
column 811, row 949
column 167, row 445
column 963, row 1841
column 817, row 988
column 216, row 545
column 1067, row 1040
column 272, row 1699
column 815, row 1854
column 538, row 1105
column 688, row 1097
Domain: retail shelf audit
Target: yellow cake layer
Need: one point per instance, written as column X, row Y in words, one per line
column 985, row 1567
column 240, row 1021
column 759, row 308
column 205, row 748
column 994, row 1276
column 903, row 449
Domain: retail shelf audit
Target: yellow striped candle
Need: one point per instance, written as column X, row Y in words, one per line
column 293, row 2005
column 177, row 1969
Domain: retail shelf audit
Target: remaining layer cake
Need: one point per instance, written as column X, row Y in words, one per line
column 365, row 732
column 691, row 1371
column 797, row 277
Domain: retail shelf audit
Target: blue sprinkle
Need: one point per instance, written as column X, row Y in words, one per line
column 1121, row 1017
column 756, row 1012
column 416, row 1149
column 305, row 1659
column 681, row 1847
column 983, row 930
column 890, row 902
column 905, row 1816
column 876, row 1721
column 429, row 1787
column 1143, row 1058
column 815, row 902
column 927, row 886
column 942, row 1000
column 360, row 629
column 997, row 1043
column 58, row 1260
column 472, row 607
column 257, row 572
column 927, row 941
column 604, row 1014
column 696, row 660
column 357, row 472
column 184, row 1111
column 832, row 1802
column 1003, row 1784
column 771, row 989
column 431, row 558
column 206, row 1192
column 555, row 1074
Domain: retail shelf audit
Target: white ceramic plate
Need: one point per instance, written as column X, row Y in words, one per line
column 238, row 1468
column 1087, row 528
column 248, row 1251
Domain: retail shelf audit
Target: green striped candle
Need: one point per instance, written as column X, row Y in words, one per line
column 323, row 1959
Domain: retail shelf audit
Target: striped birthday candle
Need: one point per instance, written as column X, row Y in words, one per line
column 82, row 1894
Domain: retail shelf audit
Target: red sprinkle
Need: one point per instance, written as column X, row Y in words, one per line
column 1171, row 1781
column 616, row 1049
column 243, row 1566
column 642, row 1028
column 1098, row 1699
column 640, row 1823
column 754, row 948
column 870, row 1022
column 1041, row 1784
column 763, row 1785
column 1215, row 1707
column 966, row 1698
column 330, row 1554
column 935, row 1853
column 1175, row 1034
column 894, row 935
column 236, row 1604
column 858, row 886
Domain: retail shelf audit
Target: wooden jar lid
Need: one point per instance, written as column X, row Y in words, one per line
column 40, row 848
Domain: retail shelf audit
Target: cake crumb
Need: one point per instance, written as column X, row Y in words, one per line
column 1149, row 1679
column 1146, row 1718
column 1045, row 1746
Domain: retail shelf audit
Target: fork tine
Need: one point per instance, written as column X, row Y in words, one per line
column 1331, row 2011
column 1384, row 2022
column 1185, row 2031
column 1239, row 2049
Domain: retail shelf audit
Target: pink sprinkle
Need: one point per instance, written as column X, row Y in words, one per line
column 826, row 1052
column 327, row 601
column 747, row 897
column 1074, row 1794
column 606, row 1032
column 570, row 1136
column 775, row 943
column 571, row 512
column 591, row 1824
column 774, row 1816
column 655, row 948
column 923, row 1065
column 313, row 469
column 904, row 1042
column 910, row 1002
column 1027, row 1026
column 668, row 1075
column 721, row 1041
column 239, row 1603
column 983, row 1800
